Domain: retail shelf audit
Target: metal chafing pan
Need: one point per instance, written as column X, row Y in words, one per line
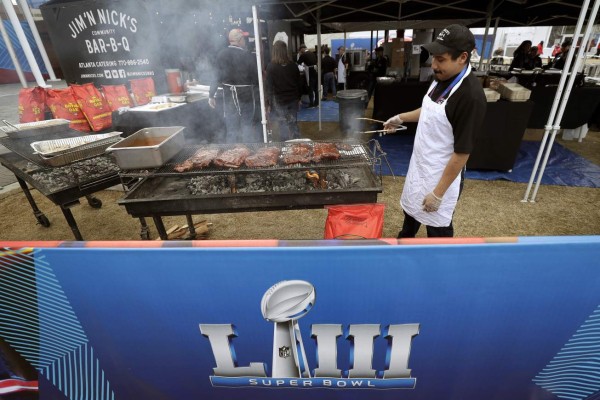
column 56, row 147
column 148, row 147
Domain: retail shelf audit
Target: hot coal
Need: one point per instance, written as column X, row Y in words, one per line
column 71, row 175
column 276, row 181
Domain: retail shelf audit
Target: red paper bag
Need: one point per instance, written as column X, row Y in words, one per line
column 32, row 104
column 117, row 96
column 64, row 106
column 94, row 106
column 360, row 221
column 143, row 90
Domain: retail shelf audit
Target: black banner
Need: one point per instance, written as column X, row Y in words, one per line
column 106, row 41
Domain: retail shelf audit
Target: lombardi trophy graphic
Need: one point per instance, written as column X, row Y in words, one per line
column 284, row 304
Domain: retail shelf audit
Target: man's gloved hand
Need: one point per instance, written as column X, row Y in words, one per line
column 392, row 124
column 431, row 202
column 212, row 102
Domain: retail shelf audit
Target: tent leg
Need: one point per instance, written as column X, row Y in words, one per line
column 13, row 55
column 14, row 20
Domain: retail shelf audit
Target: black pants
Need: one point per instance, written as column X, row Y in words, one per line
column 411, row 226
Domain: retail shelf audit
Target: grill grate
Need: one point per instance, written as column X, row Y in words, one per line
column 360, row 154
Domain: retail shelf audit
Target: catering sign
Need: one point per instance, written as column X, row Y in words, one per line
column 106, row 42
column 296, row 320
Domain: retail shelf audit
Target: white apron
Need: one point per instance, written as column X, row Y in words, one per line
column 341, row 75
column 434, row 145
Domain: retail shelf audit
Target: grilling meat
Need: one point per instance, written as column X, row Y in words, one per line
column 325, row 151
column 233, row 158
column 200, row 159
column 300, row 149
column 344, row 146
column 264, row 157
column 296, row 159
column 298, row 153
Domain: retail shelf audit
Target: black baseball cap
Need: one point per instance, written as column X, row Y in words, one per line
column 451, row 38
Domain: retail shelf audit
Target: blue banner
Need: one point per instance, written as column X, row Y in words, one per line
column 473, row 321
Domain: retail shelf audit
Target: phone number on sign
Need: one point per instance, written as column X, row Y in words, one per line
column 129, row 63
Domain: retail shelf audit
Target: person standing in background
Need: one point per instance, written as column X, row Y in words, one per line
column 534, row 59
column 521, row 55
column 283, row 90
column 377, row 69
column 559, row 61
column 236, row 72
column 328, row 69
column 309, row 60
column 540, row 48
column 342, row 67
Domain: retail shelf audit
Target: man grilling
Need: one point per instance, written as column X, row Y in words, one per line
column 236, row 73
column 449, row 120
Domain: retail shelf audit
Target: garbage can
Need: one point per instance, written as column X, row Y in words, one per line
column 352, row 105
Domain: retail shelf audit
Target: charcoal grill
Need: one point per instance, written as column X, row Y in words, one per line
column 63, row 185
column 165, row 192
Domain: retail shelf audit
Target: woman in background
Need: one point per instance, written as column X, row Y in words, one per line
column 521, row 55
column 283, row 91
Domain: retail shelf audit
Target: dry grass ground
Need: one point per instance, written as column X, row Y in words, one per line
column 486, row 209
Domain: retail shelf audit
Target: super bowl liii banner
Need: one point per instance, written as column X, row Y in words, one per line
column 106, row 42
column 481, row 321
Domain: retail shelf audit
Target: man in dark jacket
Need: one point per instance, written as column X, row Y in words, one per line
column 237, row 75
column 327, row 68
column 309, row 59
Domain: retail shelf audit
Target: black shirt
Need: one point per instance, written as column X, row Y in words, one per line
column 283, row 83
column 308, row 58
column 328, row 64
column 234, row 66
column 465, row 110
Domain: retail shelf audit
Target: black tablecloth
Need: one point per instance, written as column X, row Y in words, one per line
column 498, row 143
column 201, row 121
column 394, row 97
column 583, row 106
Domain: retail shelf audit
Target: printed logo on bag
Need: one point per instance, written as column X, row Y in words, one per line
column 96, row 102
column 284, row 304
column 350, row 219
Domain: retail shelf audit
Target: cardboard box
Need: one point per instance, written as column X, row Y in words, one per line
column 397, row 58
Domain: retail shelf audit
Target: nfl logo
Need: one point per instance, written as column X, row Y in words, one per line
column 284, row 352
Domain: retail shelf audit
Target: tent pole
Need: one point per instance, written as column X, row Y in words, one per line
column 557, row 98
column 563, row 105
column 488, row 22
column 14, row 20
column 371, row 50
column 258, row 43
column 493, row 42
column 13, row 55
column 346, row 72
column 38, row 39
column 320, row 88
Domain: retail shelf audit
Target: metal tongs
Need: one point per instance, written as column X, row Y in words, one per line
column 381, row 132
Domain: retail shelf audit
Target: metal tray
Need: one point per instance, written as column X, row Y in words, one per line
column 155, row 107
column 31, row 129
column 131, row 153
column 82, row 153
column 56, row 147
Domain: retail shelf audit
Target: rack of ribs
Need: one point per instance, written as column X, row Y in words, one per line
column 200, row 159
column 233, row 158
column 298, row 153
column 264, row 157
column 325, row 151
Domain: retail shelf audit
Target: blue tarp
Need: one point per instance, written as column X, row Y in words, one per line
column 5, row 60
column 564, row 167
